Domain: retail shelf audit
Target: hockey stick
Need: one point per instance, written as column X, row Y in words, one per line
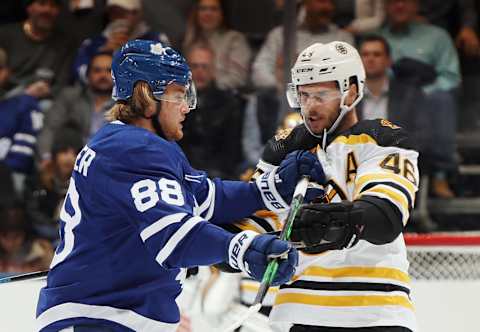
column 272, row 267
column 26, row 276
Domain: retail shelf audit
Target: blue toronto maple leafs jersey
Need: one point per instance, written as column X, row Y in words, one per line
column 21, row 122
column 135, row 216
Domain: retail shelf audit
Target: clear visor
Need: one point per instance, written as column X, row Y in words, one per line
column 189, row 98
column 319, row 97
column 191, row 95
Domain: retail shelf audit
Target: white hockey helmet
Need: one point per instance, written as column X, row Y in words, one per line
column 336, row 61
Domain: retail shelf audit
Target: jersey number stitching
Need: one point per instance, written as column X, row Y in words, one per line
column 145, row 196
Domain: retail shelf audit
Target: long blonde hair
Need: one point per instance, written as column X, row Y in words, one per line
column 135, row 107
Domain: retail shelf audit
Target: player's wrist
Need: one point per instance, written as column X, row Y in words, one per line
column 265, row 166
column 271, row 198
column 237, row 248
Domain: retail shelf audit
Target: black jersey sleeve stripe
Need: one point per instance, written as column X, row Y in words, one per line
column 393, row 185
column 347, row 286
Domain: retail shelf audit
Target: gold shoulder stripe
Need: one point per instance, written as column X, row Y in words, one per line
column 356, row 271
column 396, row 196
column 363, row 179
column 343, row 301
column 254, row 288
column 355, row 139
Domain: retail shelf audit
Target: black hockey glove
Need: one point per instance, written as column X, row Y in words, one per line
column 319, row 227
column 277, row 147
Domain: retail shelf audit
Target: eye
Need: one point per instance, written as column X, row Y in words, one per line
column 303, row 94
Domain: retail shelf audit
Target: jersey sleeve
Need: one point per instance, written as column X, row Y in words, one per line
column 30, row 121
column 388, row 169
column 222, row 201
column 161, row 208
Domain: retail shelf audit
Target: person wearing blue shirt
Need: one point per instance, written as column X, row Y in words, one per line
column 137, row 215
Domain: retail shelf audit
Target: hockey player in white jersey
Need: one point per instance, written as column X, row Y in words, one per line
column 136, row 214
column 353, row 268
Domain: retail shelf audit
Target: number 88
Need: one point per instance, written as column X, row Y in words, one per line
column 145, row 196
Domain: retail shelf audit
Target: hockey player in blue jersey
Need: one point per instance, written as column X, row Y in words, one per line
column 136, row 214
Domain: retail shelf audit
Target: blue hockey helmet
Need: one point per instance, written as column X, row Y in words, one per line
column 151, row 62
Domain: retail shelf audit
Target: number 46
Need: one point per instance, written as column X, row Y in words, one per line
column 393, row 163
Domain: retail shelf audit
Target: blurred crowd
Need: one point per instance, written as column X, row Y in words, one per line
column 420, row 58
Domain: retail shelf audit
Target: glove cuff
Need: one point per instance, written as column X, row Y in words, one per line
column 272, row 200
column 237, row 248
column 264, row 166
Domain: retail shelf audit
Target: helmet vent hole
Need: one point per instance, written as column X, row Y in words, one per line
column 325, row 59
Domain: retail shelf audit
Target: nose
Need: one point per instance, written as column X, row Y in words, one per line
column 184, row 107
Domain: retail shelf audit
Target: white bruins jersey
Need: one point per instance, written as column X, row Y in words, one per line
column 366, row 285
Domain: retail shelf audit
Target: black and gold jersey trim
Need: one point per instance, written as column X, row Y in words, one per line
column 347, row 286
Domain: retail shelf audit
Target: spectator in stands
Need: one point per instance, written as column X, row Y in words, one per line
column 212, row 133
column 367, row 15
column 38, row 48
column 359, row 17
column 82, row 19
column 20, row 125
column 208, row 23
column 452, row 15
column 468, row 44
column 80, row 105
column 20, row 251
column 262, row 117
column 316, row 27
column 394, row 93
column 45, row 191
column 172, row 18
column 432, row 46
column 375, row 54
column 126, row 22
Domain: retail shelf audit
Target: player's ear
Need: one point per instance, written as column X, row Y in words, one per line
column 151, row 109
column 352, row 94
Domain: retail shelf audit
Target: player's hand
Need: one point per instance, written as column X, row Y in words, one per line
column 319, row 227
column 251, row 253
column 277, row 147
column 38, row 89
column 278, row 185
column 468, row 41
